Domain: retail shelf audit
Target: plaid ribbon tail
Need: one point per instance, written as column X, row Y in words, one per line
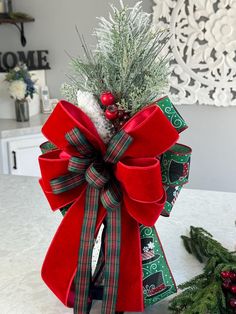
column 83, row 275
column 112, row 258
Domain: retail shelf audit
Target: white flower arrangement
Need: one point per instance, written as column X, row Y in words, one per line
column 17, row 89
column 89, row 105
column 21, row 84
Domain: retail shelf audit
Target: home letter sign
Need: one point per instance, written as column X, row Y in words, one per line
column 35, row 60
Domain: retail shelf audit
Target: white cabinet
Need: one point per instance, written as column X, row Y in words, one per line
column 19, row 155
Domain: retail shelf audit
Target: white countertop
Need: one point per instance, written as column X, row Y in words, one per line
column 27, row 226
column 12, row 128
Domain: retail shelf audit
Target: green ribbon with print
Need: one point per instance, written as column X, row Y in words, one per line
column 172, row 114
column 158, row 282
column 175, row 163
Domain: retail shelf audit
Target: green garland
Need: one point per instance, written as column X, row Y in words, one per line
column 211, row 291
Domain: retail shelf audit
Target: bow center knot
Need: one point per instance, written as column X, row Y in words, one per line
column 97, row 175
column 92, row 167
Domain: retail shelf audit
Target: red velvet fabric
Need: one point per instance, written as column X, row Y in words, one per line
column 139, row 175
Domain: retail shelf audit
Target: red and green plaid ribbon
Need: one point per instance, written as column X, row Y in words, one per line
column 47, row 147
column 102, row 186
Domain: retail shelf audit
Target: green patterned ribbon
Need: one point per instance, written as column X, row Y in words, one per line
column 102, row 186
column 172, row 114
column 158, row 282
column 175, row 165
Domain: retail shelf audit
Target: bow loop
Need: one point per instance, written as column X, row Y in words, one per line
column 79, row 165
column 76, row 138
column 111, row 196
column 66, row 183
column 66, row 117
column 152, row 132
column 97, row 176
column 117, row 147
column 141, row 179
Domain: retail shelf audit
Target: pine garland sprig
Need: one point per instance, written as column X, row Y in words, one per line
column 202, row 245
column 198, row 301
column 204, row 294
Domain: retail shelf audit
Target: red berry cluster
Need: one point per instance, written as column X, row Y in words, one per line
column 229, row 284
column 118, row 117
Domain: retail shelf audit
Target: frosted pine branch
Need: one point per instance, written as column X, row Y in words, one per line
column 127, row 60
column 130, row 50
column 69, row 91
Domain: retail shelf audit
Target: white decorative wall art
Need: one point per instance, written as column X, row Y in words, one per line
column 203, row 43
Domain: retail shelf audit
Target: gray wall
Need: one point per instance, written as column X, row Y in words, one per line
column 212, row 130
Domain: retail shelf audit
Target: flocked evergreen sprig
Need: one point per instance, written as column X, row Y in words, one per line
column 126, row 61
column 70, row 92
column 207, row 293
column 129, row 48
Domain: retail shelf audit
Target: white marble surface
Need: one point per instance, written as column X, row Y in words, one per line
column 27, row 226
column 12, row 128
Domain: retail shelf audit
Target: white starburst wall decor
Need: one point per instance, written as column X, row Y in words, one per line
column 203, row 43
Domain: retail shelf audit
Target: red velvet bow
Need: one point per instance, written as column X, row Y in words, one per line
column 139, row 175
